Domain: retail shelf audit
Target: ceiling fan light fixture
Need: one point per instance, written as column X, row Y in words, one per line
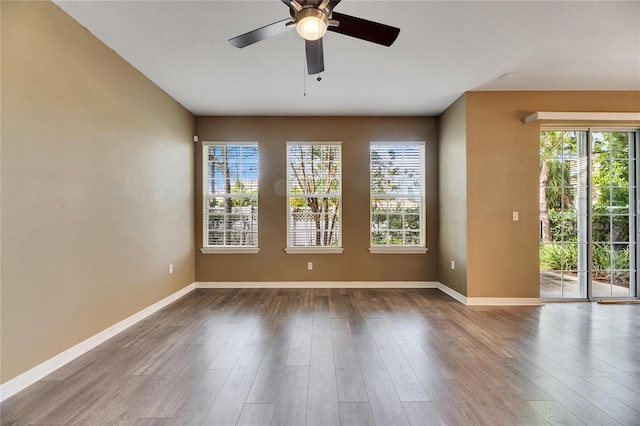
column 312, row 19
column 311, row 24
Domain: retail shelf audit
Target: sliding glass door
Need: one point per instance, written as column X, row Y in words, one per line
column 587, row 214
column 613, row 201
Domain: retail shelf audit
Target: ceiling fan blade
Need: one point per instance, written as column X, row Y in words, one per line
column 315, row 56
column 294, row 6
column 333, row 3
column 260, row 34
column 365, row 30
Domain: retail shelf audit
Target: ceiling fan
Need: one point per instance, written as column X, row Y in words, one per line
column 312, row 19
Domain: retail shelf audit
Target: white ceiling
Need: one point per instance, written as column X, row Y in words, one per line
column 444, row 49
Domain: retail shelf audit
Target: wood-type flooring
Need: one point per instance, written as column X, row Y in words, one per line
column 350, row 357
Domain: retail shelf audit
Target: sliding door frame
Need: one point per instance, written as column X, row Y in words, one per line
column 634, row 209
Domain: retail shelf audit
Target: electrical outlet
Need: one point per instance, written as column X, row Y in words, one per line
column 514, row 216
column 171, row 268
column 309, row 266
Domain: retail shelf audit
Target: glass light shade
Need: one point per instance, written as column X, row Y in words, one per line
column 311, row 28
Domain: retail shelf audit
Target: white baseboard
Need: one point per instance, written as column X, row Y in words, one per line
column 40, row 371
column 490, row 301
column 504, row 301
column 451, row 292
column 320, row 284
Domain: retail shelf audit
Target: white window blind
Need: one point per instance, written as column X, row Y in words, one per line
column 314, row 194
column 397, row 194
column 230, row 194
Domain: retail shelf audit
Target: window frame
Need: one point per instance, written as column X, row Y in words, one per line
column 225, row 249
column 312, row 249
column 420, row 248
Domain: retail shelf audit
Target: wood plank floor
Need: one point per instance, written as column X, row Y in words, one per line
column 350, row 357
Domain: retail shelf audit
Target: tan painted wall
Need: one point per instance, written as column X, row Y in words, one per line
column 453, row 196
column 356, row 263
column 97, row 187
column 502, row 176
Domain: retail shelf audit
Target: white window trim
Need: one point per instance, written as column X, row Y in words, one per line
column 399, row 249
column 205, row 195
column 313, row 249
column 229, row 250
column 582, row 116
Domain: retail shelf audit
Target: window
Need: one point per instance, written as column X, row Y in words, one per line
column 314, row 197
column 230, row 174
column 397, row 197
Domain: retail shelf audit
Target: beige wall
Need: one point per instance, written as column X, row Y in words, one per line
column 355, row 263
column 453, row 196
column 502, row 176
column 97, row 187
